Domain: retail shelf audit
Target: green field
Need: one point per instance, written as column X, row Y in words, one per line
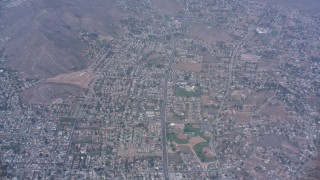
column 168, row 17
column 202, row 156
column 204, row 137
column 182, row 92
column 274, row 33
column 185, row 26
column 173, row 137
column 188, row 128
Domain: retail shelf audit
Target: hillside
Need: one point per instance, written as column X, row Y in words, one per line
column 44, row 35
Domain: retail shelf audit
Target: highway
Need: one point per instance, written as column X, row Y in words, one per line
column 163, row 112
column 164, row 131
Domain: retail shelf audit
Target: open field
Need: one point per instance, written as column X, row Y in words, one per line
column 196, row 129
column 203, row 152
column 175, row 158
column 178, row 138
column 80, row 78
column 207, row 152
column 196, row 126
column 242, row 118
column 195, row 140
column 270, row 141
column 250, row 58
column 206, row 100
column 182, row 92
column 208, row 34
column 184, row 148
column 50, row 93
column 182, row 136
column 186, row 66
column 238, row 94
column 191, row 128
column 170, row 6
column 275, row 111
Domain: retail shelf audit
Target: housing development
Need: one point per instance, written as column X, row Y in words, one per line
column 159, row 89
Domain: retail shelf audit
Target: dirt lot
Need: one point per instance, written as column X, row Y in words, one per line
column 242, row 118
column 238, row 94
column 209, row 58
column 170, row 6
column 270, row 140
column 185, row 66
column 259, row 97
column 207, row 152
column 195, row 140
column 266, row 64
column 174, row 158
column 250, row 58
column 207, row 134
column 184, row 148
column 196, row 126
column 182, row 136
column 275, row 111
column 80, row 78
column 206, row 100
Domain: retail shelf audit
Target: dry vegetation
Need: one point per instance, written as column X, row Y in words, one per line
column 275, row 111
column 208, row 34
column 242, row 118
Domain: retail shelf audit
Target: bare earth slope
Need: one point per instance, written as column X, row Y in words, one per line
column 309, row 6
column 43, row 39
column 44, row 34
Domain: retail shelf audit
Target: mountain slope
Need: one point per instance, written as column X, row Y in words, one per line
column 44, row 34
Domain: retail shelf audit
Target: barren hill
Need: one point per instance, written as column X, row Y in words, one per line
column 44, row 34
column 41, row 40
